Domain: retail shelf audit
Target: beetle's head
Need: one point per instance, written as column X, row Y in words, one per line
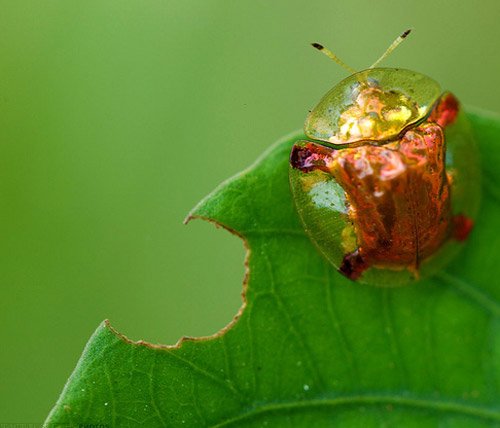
column 374, row 105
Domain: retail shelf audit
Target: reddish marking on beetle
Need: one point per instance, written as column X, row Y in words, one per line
column 462, row 227
column 300, row 159
column 446, row 110
column 310, row 157
column 398, row 196
column 353, row 265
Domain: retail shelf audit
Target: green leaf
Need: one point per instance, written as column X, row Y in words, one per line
column 310, row 348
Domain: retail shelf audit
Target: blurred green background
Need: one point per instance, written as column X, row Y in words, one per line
column 116, row 117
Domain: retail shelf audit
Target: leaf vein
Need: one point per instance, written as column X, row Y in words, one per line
column 223, row 382
column 338, row 328
column 300, row 340
column 444, row 406
column 391, row 335
column 479, row 297
column 152, row 394
column 111, row 392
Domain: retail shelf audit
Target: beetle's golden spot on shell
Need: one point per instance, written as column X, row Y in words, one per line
column 348, row 239
column 373, row 106
column 374, row 114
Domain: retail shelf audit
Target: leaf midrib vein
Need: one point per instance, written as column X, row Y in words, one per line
column 456, row 407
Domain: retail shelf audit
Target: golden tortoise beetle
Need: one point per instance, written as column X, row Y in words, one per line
column 387, row 181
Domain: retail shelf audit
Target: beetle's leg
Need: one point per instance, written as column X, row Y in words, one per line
column 353, row 265
column 462, row 227
column 445, row 111
column 307, row 157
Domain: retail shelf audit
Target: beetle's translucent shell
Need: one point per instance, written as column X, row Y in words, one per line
column 388, row 184
column 375, row 104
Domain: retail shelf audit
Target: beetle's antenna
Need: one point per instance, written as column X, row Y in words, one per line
column 331, row 55
column 393, row 46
